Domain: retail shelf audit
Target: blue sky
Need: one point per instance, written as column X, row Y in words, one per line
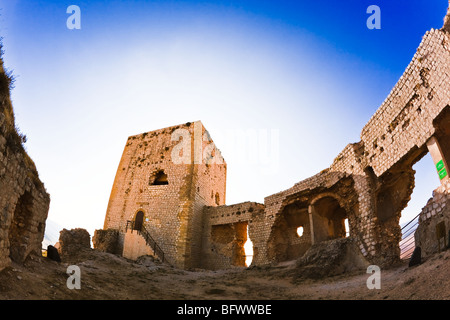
column 308, row 74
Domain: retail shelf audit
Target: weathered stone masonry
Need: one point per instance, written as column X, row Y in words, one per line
column 24, row 202
column 170, row 195
column 225, row 233
column 368, row 184
column 371, row 181
column 436, row 211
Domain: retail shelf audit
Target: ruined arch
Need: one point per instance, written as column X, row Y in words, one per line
column 328, row 216
column 298, row 209
column 284, row 242
column 21, row 228
column 327, row 195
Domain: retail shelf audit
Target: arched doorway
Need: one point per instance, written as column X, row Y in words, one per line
column 285, row 242
column 20, row 228
column 329, row 219
column 138, row 221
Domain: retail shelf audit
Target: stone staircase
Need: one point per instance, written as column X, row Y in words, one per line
column 138, row 242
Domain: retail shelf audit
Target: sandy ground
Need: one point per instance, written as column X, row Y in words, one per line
column 106, row 276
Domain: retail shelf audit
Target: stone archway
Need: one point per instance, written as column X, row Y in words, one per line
column 285, row 243
column 20, row 228
column 138, row 221
column 328, row 218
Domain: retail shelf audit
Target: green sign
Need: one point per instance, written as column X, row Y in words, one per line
column 442, row 174
column 440, row 165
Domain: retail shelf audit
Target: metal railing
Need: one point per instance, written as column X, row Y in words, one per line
column 408, row 244
column 148, row 238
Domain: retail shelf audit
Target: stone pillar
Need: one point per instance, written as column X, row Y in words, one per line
column 311, row 222
column 438, row 159
column 318, row 225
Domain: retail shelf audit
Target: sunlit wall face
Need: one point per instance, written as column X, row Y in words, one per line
column 281, row 86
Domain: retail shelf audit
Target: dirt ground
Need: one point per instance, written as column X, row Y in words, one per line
column 106, row 276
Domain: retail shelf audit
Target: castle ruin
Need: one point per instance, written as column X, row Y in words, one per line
column 178, row 207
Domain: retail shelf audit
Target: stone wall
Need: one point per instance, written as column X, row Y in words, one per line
column 134, row 246
column 405, row 119
column 209, row 187
column 24, row 202
column 436, row 211
column 225, row 233
column 72, row 241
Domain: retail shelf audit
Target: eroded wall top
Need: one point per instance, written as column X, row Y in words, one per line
column 405, row 119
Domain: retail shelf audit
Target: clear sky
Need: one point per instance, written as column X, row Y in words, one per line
column 300, row 77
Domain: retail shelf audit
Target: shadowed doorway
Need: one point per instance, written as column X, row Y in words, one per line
column 139, row 221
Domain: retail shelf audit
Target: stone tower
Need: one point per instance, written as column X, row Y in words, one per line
column 164, row 180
